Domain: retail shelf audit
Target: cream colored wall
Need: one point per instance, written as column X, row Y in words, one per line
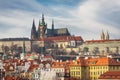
column 58, row 69
column 19, row 43
column 64, row 44
column 102, row 46
column 72, row 49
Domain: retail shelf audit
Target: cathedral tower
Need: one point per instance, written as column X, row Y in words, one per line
column 33, row 31
column 41, row 28
column 102, row 35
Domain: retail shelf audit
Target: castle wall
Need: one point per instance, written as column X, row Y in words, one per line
column 103, row 47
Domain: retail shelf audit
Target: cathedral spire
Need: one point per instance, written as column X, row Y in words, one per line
column 107, row 36
column 43, row 22
column 53, row 27
column 33, row 25
column 33, row 31
column 52, row 24
column 42, row 16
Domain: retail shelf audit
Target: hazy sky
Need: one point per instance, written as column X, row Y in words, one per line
column 86, row 18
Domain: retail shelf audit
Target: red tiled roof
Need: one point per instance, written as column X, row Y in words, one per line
column 63, row 38
column 58, row 64
column 47, row 56
column 110, row 75
column 88, row 41
column 33, row 66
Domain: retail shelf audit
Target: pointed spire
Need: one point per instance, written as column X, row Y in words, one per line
column 102, row 35
column 42, row 16
column 33, row 31
column 52, row 24
column 107, row 36
column 33, row 25
column 52, row 28
column 43, row 22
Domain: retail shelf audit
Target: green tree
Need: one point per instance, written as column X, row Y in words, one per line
column 86, row 49
column 5, row 49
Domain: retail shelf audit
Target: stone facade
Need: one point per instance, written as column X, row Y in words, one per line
column 16, row 43
column 102, row 46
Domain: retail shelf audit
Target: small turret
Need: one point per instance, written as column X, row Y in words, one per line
column 102, row 35
column 107, row 36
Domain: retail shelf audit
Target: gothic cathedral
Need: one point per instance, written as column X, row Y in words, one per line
column 44, row 32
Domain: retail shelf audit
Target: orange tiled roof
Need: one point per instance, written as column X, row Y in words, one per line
column 110, row 75
column 57, row 67
column 95, row 62
column 57, row 64
column 101, row 61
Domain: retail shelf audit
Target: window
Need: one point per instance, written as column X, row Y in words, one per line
column 61, row 46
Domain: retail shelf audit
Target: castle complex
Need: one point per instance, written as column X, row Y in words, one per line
column 51, row 40
column 44, row 39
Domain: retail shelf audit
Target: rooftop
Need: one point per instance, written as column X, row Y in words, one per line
column 111, row 40
column 110, row 75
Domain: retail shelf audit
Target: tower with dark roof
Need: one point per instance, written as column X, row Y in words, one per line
column 33, row 31
column 42, row 28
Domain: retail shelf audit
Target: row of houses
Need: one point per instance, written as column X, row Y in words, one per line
column 79, row 69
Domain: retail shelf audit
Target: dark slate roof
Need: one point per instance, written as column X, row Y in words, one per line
column 48, row 31
column 14, row 39
column 61, row 31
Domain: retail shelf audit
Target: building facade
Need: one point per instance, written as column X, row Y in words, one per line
column 92, row 68
column 15, row 45
column 101, row 47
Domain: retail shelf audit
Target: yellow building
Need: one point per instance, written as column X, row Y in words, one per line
column 92, row 68
column 76, row 69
